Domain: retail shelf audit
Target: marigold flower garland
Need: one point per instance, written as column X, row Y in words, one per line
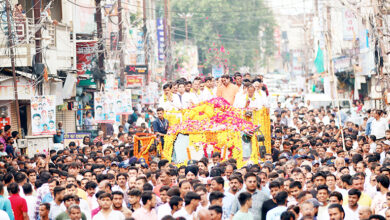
column 216, row 124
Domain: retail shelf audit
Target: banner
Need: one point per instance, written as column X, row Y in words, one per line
column 104, row 106
column 43, row 115
column 133, row 81
column 160, row 39
column 75, row 137
column 350, row 25
column 124, row 104
column 85, row 55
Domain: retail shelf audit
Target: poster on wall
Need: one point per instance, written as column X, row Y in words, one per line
column 105, row 107
column 124, row 104
column 43, row 115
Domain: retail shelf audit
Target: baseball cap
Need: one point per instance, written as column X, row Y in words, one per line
column 143, row 163
column 191, row 162
column 133, row 160
column 123, row 165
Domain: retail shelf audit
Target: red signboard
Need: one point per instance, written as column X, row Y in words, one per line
column 134, row 81
column 85, row 54
column 4, row 122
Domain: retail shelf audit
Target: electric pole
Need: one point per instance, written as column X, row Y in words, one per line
column 99, row 31
column 185, row 17
column 146, row 43
column 120, row 45
column 38, row 34
column 11, row 49
column 167, row 39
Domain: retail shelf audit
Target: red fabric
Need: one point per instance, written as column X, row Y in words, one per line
column 19, row 205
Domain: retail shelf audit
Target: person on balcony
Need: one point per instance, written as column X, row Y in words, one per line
column 18, row 13
column 20, row 19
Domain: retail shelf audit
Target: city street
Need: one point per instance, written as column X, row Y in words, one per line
column 194, row 110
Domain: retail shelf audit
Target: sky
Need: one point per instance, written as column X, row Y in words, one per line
column 290, row 7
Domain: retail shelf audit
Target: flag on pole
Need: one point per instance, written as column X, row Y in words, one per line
column 319, row 61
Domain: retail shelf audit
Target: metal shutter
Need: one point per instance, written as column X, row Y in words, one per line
column 68, row 119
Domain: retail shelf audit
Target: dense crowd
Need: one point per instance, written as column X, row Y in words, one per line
column 322, row 166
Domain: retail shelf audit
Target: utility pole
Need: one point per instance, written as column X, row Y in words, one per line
column 38, row 34
column 185, row 17
column 167, row 39
column 145, row 39
column 379, row 34
column 334, row 95
column 120, row 45
column 99, row 30
column 11, row 49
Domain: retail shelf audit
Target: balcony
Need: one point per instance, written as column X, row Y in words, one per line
column 58, row 48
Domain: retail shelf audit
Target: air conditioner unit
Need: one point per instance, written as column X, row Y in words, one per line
column 22, row 143
column 3, row 111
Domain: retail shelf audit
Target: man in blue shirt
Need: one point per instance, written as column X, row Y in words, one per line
column 160, row 125
column 5, row 204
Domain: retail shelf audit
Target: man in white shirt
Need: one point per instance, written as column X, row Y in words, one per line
column 188, row 212
column 249, row 99
column 166, row 101
column 379, row 125
column 55, row 206
column 106, row 212
column 379, row 201
column 195, row 91
column 183, row 99
column 238, row 81
column 208, row 91
column 352, row 209
column 30, row 199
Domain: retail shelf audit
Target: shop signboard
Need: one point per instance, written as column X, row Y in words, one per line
column 133, row 81
column 342, row 64
column 75, row 137
column 136, row 69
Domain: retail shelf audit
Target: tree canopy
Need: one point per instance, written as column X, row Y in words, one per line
column 227, row 32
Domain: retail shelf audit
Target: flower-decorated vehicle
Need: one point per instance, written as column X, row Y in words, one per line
column 216, row 126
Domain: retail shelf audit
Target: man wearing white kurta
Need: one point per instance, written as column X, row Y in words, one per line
column 183, row 99
column 208, row 91
column 166, row 100
column 248, row 99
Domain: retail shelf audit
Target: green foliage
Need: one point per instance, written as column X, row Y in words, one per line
column 233, row 24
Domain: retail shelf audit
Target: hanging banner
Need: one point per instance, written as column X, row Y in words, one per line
column 133, row 81
column 160, row 39
column 85, row 55
column 105, row 109
column 43, row 115
column 350, row 25
column 124, row 104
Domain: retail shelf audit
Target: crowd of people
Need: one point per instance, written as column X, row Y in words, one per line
column 322, row 166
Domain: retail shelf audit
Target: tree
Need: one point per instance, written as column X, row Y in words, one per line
column 232, row 25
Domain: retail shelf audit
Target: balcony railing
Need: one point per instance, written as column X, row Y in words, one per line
column 24, row 32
